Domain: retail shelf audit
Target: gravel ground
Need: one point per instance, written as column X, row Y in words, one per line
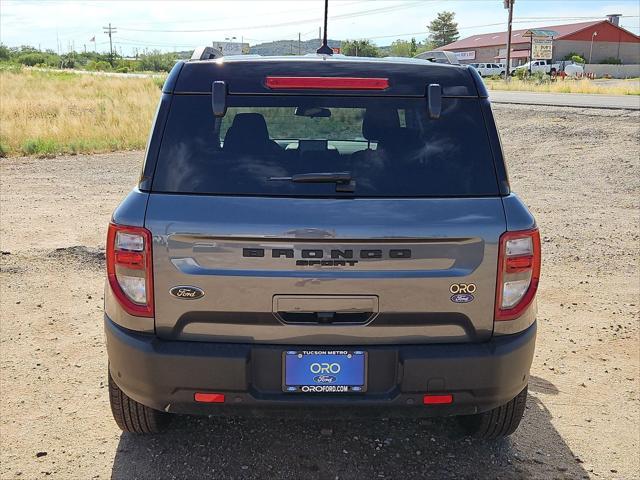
column 578, row 170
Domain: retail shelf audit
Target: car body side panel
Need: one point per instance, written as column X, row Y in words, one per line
column 517, row 214
column 132, row 209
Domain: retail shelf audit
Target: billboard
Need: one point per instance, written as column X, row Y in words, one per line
column 231, row 48
column 542, row 48
column 470, row 55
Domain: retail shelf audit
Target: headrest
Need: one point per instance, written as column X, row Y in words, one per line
column 377, row 121
column 250, row 123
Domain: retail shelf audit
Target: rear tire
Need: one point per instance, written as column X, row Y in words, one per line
column 133, row 417
column 497, row 423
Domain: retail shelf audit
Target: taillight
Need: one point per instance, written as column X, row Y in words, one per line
column 326, row 83
column 129, row 268
column 518, row 273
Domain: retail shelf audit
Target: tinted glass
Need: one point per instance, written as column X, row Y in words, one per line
column 389, row 146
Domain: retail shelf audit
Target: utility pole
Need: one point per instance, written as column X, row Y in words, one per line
column 593, row 35
column 110, row 31
column 508, row 4
column 299, row 46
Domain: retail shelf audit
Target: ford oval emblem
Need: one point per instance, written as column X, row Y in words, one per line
column 324, row 379
column 186, row 292
column 462, row 298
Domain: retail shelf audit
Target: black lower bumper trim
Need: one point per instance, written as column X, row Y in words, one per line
column 165, row 375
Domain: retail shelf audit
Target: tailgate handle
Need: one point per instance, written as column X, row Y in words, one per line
column 325, row 309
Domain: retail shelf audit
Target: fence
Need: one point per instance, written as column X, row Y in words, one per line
column 614, row 71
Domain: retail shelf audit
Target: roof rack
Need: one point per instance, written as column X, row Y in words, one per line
column 206, row 53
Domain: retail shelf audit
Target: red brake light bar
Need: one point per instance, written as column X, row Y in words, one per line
column 326, row 83
column 133, row 260
column 208, row 397
column 441, row 399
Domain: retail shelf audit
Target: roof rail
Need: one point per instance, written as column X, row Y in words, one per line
column 206, row 53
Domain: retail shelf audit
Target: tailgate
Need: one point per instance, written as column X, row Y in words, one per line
column 324, row 271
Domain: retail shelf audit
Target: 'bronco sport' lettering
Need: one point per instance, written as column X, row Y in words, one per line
column 339, row 258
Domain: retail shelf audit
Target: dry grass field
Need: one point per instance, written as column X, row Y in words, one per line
column 47, row 113
column 619, row 87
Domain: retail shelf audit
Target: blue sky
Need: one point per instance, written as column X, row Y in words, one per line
column 166, row 25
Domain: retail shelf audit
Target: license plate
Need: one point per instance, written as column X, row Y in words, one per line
column 324, row 371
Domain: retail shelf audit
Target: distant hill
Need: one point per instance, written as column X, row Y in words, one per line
column 290, row 47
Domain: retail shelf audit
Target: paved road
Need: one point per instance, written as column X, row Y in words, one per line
column 619, row 102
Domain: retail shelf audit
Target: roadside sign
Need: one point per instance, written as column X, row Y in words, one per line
column 540, row 32
column 470, row 55
column 231, row 48
column 541, row 48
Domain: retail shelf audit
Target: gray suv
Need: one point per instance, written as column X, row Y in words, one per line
column 327, row 234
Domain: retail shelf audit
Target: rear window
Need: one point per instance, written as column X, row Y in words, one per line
column 264, row 146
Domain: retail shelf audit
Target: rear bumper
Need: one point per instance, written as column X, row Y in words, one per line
column 165, row 375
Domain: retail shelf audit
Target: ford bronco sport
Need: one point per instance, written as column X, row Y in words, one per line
column 322, row 232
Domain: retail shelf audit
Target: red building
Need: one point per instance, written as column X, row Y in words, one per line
column 594, row 41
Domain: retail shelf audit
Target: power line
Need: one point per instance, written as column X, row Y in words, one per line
column 265, row 14
column 374, row 11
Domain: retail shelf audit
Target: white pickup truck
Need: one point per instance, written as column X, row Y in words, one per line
column 547, row 66
column 489, row 69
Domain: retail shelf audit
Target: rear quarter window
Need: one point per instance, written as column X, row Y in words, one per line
column 389, row 145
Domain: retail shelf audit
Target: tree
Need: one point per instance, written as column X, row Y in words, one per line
column 443, row 30
column 359, row 48
column 401, row 48
column 413, row 48
column 5, row 53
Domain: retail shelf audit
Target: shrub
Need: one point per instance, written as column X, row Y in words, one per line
column 99, row 65
column 32, row 59
column 577, row 59
column 540, row 77
column 159, row 81
column 570, row 55
column 39, row 146
column 522, row 73
column 611, row 61
column 157, row 61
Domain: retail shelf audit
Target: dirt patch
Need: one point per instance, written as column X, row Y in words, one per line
column 578, row 170
column 84, row 256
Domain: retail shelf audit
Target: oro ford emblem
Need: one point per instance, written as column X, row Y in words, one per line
column 186, row 292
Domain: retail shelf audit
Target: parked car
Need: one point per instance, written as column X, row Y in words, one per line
column 322, row 233
column 489, row 69
column 571, row 69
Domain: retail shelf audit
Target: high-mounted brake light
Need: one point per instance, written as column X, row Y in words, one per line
column 129, row 268
column 518, row 273
column 326, row 83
